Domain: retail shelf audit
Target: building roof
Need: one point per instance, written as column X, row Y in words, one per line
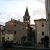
column 40, row 19
column 26, row 12
column 14, row 21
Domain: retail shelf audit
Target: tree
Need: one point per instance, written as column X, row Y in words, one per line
column 42, row 40
column 7, row 44
column 31, row 35
column 23, row 39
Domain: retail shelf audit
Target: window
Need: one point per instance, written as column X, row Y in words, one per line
column 42, row 40
column 15, row 25
column 42, row 24
column 24, row 38
column 3, row 38
column 8, row 37
column 14, row 32
column 28, row 18
column 42, row 33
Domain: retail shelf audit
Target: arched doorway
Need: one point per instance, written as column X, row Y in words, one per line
column 46, row 41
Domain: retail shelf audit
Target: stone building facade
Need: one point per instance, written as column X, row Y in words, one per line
column 15, row 30
column 41, row 29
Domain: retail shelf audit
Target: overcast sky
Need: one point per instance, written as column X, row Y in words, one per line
column 16, row 9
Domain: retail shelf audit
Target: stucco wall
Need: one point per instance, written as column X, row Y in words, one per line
column 19, row 28
column 40, row 29
column 9, row 37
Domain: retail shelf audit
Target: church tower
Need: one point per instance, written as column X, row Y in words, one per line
column 26, row 18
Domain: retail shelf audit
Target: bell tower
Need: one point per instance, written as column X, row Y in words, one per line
column 26, row 18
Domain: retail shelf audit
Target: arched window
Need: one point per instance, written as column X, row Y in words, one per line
column 42, row 33
column 14, row 32
column 42, row 24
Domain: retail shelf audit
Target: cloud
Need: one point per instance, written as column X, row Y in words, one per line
column 38, row 11
column 16, row 8
column 41, row 1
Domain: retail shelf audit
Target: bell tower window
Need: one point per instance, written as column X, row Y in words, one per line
column 26, row 17
column 42, row 24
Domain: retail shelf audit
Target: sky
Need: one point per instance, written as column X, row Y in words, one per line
column 15, row 9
